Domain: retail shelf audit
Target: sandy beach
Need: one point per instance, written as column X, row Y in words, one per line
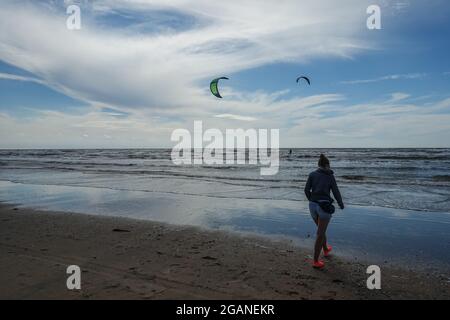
column 212, row 150
column 132, row 259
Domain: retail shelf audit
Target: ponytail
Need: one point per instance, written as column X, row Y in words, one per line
column 323, row 161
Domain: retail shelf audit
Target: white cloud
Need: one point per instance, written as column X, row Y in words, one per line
column 397, row 96
column 164, row 70
column 8, row 76
column 408, row 76
column 160, row 80
column 235, row 117
column 387, row 124
column 54, row 129
column 381, row 124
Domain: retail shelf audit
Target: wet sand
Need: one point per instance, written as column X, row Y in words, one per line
column 132, row 259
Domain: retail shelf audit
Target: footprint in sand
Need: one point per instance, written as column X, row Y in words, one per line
column 209, row 258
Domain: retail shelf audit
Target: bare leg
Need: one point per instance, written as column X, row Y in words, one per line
column 321, row 238
column 324, row 246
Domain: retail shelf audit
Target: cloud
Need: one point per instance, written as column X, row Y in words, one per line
column 235, row 117
column 397, row 96
column 385, row 124
column 13, row 77
column 122, row 68
column 374, row 124
column 408, row 76
column 95, row 129
column 152, row 73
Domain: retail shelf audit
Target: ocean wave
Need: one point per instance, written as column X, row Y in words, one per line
column 352, row 166
column 354, row 177
column 441, row 178
column 413, row 157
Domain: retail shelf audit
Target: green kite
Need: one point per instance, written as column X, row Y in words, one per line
column 214, row 86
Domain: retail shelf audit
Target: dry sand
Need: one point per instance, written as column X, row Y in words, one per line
column 159, row 261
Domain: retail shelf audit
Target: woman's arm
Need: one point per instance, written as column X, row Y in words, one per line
column 336, row 193
column 308, row 188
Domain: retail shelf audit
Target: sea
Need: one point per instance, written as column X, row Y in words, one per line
column 397, row 200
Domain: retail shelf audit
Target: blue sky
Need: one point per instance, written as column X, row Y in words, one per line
column 139, row 69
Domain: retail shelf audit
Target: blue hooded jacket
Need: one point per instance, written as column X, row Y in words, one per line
column 319, row 184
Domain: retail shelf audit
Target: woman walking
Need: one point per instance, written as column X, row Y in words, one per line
column 317, row 190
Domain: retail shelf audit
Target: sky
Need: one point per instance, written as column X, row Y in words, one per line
column 137, row 70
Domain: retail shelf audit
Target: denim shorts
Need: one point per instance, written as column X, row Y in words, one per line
column 317, row 212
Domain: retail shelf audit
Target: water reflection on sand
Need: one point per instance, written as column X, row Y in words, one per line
column 380, row 235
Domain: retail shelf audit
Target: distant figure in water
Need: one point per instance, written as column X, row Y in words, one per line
column 317, row 190
column 290, row 151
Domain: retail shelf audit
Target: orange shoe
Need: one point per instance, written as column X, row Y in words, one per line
column 318, row 264
column 326, row 253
